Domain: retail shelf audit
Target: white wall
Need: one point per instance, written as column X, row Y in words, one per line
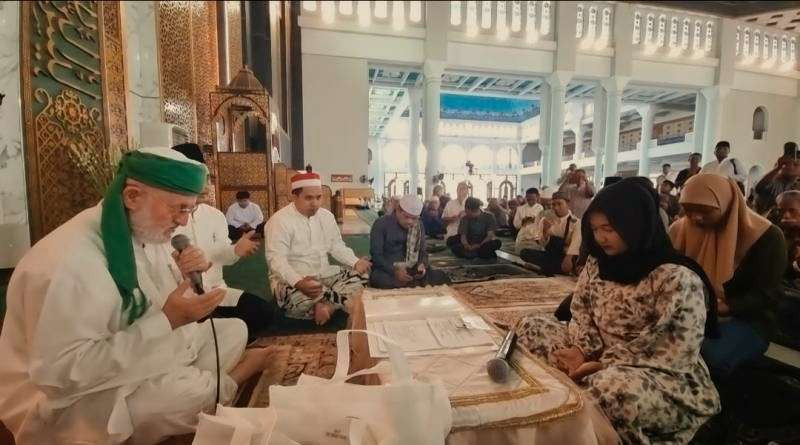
column 336, row 117
column 14, row 230
column 737, row 126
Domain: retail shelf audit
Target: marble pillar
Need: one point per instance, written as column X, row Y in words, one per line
column 599, row 132
column 648, row 114
column 544, row 133
column 14, row 228
column 613, row 87
column 714, row 97
column 699, row 131
column 144, row 102
column 413, row 139
column 576, row 125
column 558, row 85
column 433, row 70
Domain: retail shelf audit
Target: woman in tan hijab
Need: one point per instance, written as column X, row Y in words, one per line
column 744, row 256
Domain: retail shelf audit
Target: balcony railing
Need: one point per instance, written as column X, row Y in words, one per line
column 397, row 14
column 766, row 48
column 529, row 21
column 674, row 33
column 594, row 25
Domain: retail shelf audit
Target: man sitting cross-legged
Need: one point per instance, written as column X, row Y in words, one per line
column 299, row 238
column 244, row 216
column 476, row 233
column 397, row 247
column 100, row 343
column 559, row 237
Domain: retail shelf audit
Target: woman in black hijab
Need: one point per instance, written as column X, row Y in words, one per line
column 638, row 320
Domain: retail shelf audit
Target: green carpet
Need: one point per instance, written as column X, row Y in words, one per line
column 359, row 244
column 250, row 275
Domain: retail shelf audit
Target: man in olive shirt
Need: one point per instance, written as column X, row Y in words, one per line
column 397, row 248
column 476, row 233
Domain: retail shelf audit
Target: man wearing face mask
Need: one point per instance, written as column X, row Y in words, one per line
column 299, row 238
column 398, row 251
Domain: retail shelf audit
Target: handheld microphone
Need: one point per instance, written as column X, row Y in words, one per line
column 498, row 367
column 179, row 243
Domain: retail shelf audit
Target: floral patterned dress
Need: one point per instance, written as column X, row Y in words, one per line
column 655, row 387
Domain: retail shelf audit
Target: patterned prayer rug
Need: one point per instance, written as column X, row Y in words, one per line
column 470, row 273
column 313, row 354
column 515, row 292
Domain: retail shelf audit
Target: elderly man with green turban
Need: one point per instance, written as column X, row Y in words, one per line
column 100, row 342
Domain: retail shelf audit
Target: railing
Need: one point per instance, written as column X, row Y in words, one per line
column 674, row 33
column 594, row 25
column 767, row 47
column 398, row 14
column 529, row 21
column 671, row 139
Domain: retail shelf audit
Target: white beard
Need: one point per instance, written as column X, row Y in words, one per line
column 144, row 230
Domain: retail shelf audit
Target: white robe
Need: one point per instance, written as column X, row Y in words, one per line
column 208, row 230
column 527, row 211
column 238, row 216
column 74, row 371
column 729, row 168
column 297, row 246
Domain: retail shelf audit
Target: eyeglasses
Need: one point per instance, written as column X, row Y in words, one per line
column 182, row 209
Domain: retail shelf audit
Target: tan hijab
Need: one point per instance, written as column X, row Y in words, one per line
column 719, row 250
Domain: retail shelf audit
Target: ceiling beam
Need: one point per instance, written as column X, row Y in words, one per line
column 477, row 84
column 534, row 85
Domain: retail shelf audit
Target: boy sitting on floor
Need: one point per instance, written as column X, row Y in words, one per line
column 476, row 233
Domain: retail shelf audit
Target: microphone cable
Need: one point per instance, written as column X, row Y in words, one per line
column 216, row 353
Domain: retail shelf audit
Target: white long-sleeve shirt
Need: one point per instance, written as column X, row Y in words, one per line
column 453, row 208
column 238, row 216
column 208, row 230
column 527, row 211
column 297, row 246
column 66, row 336
column 729, row 168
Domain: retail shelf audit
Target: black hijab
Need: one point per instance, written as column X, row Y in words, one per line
column 631, row 206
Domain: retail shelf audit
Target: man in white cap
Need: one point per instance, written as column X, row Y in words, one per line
column 299, row 238
column 397, row 248
column 100, row 343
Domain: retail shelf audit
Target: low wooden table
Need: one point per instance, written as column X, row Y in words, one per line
column 578, row 421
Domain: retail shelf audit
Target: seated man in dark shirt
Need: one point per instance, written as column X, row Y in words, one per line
column 476, row 233
column 432, row 219
column 397, row 248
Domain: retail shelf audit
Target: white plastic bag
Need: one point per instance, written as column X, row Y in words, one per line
column 235, row 426
column 406, row 411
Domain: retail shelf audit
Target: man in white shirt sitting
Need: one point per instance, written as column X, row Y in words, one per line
column 299, row 238
column 725, row 166
column 453, row 212
column 559, row 238
column 244, row 216
column 207, row 230
column 531, row 209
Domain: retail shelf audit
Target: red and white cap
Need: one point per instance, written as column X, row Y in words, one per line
column 306, row 179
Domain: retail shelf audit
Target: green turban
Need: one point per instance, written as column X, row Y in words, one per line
column 172, row 172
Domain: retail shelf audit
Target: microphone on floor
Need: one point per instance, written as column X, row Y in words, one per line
column 498, row 367
column 179, row 243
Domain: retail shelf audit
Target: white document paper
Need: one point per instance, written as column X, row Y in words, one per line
column 452, row 332
column 411, row 335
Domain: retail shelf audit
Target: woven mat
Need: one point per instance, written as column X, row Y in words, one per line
column 470, row 273
column 312, row 354
column 515, row 292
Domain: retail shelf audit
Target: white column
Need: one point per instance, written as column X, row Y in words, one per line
column 699, row 127
column 577, row 111
column 648, row 113
column 558, row 87
column 613, row 87
column 714, row 97
column 544, row 132
column 413, row 138
column 599, row 132
column 433, row 70
column 380, row 170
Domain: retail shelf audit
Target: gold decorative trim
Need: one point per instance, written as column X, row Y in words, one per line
column 115, row 85
column 533, row 388
column 233, row 22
